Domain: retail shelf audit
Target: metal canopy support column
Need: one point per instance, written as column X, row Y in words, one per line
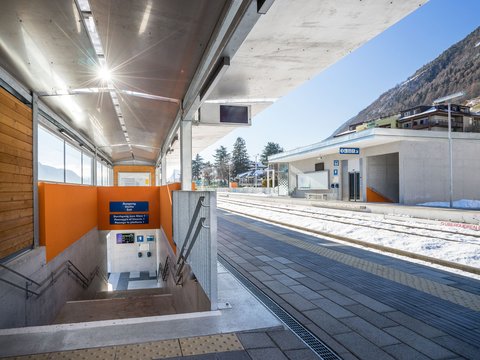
column 163, row 169
column 186, row 153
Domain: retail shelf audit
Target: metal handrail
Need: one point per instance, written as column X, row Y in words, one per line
column 20, row 287
column 50, row 280
column 190, row 247
column 19, row 274
column 190, row 227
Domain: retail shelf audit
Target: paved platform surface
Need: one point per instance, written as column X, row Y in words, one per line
column 360, row 303
column 275, row 344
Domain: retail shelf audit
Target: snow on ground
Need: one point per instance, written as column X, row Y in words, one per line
column 458, row 204
column 462, row 248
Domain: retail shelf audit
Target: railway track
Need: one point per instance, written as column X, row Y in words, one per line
column 353, row 219
column 267, row 208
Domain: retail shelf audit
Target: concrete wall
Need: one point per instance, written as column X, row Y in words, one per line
column 124, row 257
column 424, row 171
column 383, row 175
column 17, row 311
column 187, row 298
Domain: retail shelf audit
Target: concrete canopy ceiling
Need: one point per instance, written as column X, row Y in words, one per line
column 162, row 53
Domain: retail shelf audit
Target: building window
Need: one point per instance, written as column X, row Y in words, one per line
column 50, row 157
column 320, row 166
column 73, row 165
column 61, row 161
column 86, row 169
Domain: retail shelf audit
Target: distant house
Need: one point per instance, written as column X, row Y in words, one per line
column 436, row 118
column 256, row 172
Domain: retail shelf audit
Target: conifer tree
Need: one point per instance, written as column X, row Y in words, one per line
column 240, row 160
column 270, row 149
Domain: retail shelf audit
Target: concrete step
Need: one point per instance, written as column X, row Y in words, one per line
column 129, row 293
column 116, row 308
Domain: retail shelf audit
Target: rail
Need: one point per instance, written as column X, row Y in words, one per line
column 183, row 256
column 43, row 285
column 195, row 234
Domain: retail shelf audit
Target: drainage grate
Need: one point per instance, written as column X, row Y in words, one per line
column 322, row 350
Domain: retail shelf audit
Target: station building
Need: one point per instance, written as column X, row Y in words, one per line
column 393, row 162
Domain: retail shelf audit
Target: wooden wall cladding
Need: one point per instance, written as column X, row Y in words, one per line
column 16, row 175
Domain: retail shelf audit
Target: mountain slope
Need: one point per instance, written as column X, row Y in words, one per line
column 456, row 69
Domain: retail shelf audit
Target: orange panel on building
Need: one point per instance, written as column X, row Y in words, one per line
column 134, row 194
column 166, row 210
column 67, row 212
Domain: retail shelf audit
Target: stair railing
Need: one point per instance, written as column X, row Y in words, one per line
column 43, row 285
column 183, row 256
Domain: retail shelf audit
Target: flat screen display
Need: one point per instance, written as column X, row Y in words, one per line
column 234, row 114
column 126, row 238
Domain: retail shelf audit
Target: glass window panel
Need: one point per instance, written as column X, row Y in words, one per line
column 134, row 179
column 87, row 169
column 73, row 164
column 50, row 156
column 99, row 173
column 104, row 175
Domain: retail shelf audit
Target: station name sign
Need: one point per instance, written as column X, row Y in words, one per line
column 128, row 206
column 349, row 151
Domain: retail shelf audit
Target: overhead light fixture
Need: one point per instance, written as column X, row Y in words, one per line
column 150, row 96
column 67, row 135
column 104, row 74
column 214, row 78
column 146, row 16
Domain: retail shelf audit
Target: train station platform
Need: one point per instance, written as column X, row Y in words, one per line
column 344, row 302
column 359, row 303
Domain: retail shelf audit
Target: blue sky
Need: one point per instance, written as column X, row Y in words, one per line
column 314, row 110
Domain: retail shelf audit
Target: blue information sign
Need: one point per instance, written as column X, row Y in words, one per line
column 128, row 219
column 335, row 172
column 140, row 238
column 350, row 151
column 128, row 206
column 336, row 162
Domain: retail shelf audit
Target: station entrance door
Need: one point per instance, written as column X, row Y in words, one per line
column 354, row 186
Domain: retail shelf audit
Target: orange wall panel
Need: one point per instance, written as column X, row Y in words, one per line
column 373, row 196
column 166, row 210
column 128, row 194
column 67, row 212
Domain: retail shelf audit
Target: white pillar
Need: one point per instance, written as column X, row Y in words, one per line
column 186, row 153
column 163, row 169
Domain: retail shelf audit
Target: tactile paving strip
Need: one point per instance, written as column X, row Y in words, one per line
column 31, row 357
column 106, row 353
column 210, row 344
column 151, row 350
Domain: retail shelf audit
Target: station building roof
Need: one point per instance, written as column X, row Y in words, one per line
column 364, row 139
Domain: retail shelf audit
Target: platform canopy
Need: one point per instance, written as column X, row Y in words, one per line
column 123, row 73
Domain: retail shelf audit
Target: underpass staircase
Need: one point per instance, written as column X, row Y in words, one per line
column 110, row 305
